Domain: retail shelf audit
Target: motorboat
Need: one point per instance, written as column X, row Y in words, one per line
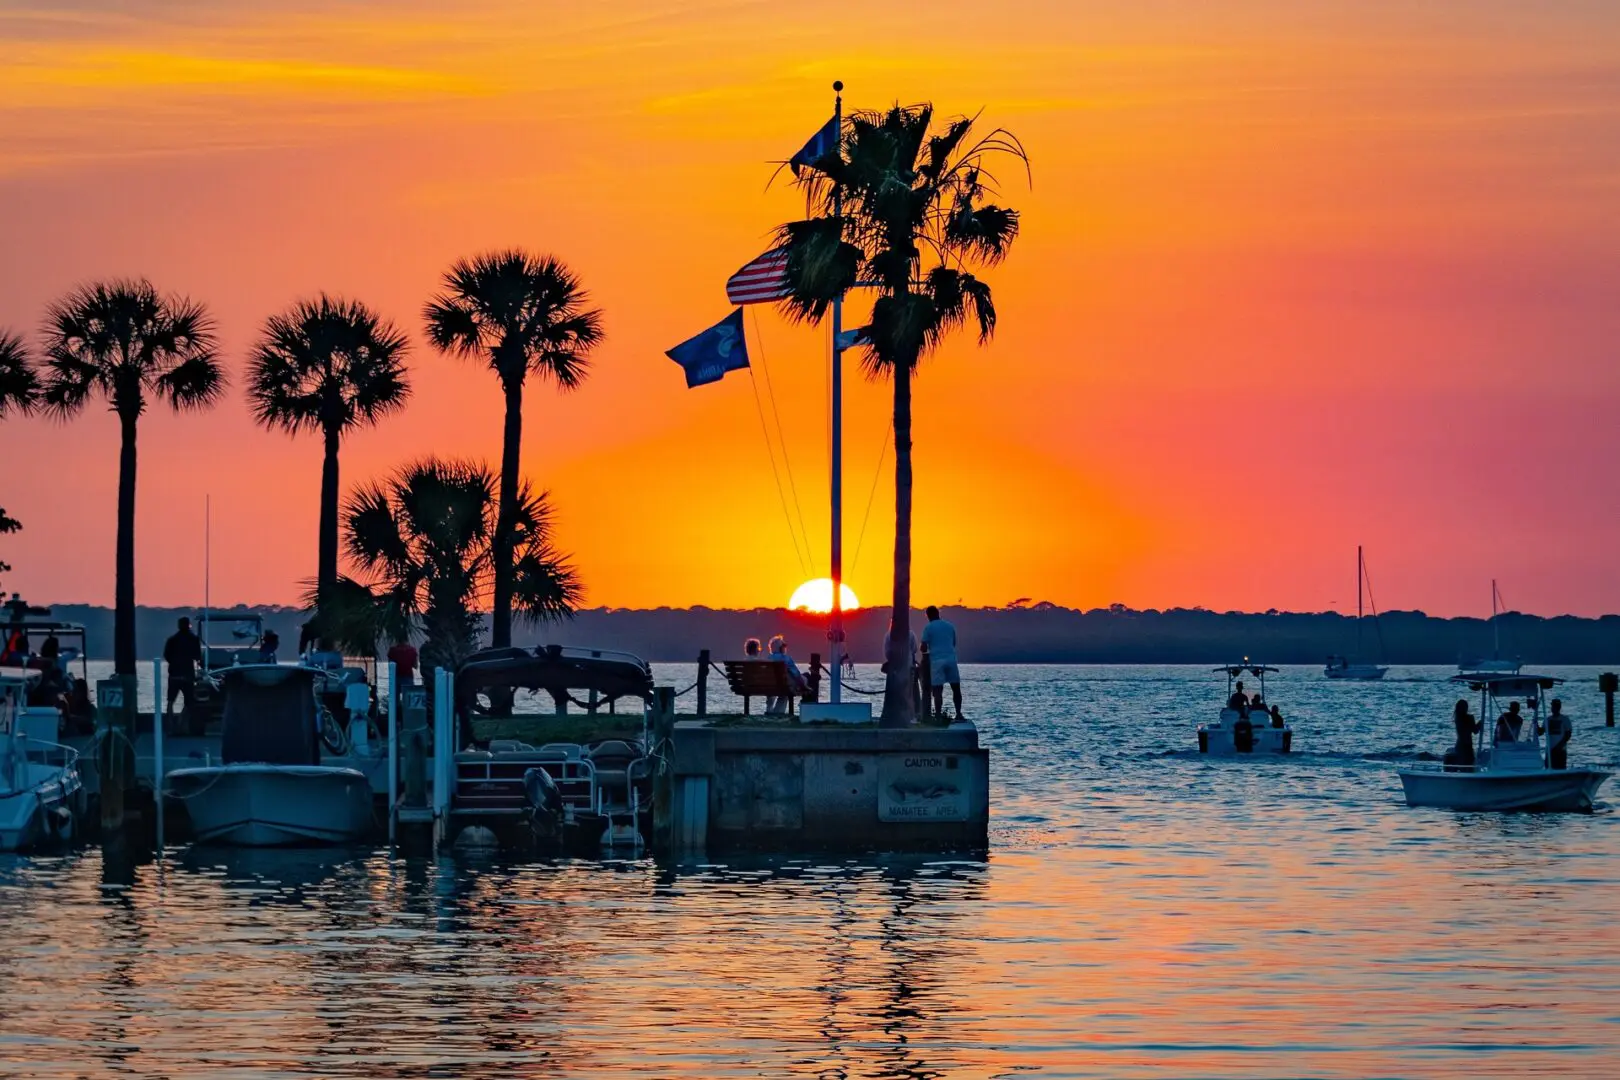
column 271, row 788
column 590, row 787
column 1514, row 774
column 56, row 652
column 40, row 789
column 1246, row 726
column 1495, row 664
column 1341, row 667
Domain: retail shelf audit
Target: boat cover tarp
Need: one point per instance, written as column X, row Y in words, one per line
column 269, row 715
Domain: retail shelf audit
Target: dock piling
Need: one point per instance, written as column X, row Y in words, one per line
column 1608, row 682
column 393, row 751
column 703, row 683
column 158, row 771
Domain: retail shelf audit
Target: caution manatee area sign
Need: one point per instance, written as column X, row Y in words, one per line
column 922, row 787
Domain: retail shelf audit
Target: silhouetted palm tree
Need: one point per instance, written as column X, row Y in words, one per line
column 123, row 341
column 327, row 366
column 426, row 540
column 520, row 313
column 902, row 208
column 19, row 382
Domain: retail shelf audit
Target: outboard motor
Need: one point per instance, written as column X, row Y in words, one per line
column 1243, row 735
column 545, row 801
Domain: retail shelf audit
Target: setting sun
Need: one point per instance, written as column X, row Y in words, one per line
column 817, row 596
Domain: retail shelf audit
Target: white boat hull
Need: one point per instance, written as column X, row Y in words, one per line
column 1361, row 672
column 1566, row 790
column 42, row 810
column 1220, row 738
column 253, row 805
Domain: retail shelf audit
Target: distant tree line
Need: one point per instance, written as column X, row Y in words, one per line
column 1049, row 635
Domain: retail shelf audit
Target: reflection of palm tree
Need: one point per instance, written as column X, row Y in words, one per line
column 426, row 538
column 520, row 314
column 128, row 344
column 902, row 207
column 327, row 366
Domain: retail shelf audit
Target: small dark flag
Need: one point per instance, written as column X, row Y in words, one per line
column 821, row 144
column 719, row 349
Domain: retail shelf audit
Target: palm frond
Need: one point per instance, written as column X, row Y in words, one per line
column 19, row 382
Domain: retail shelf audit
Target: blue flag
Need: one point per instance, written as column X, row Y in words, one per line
column 821, row 144
column 719, row 349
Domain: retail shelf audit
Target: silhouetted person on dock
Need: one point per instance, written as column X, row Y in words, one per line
column 403, row 655
column 940, row 638
column 1462, row 755
column 182, row 652
column 1559, row 732
column 916, row 674
column 1509, row 724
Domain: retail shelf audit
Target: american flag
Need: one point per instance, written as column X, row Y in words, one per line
column 762, row 280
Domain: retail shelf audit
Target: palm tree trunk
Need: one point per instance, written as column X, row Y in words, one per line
column 501, row 630
column 124, row 569
column 898, row 708
column 326, row 572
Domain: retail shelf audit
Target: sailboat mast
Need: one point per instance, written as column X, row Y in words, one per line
column 1496, row 627
column 1358, row 601
column 835, row 632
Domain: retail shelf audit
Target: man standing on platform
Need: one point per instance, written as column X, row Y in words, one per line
column 939, row 638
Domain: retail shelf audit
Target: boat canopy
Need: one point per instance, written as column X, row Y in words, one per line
column 555, row 669
column 1508, row 685
column 1234, row 670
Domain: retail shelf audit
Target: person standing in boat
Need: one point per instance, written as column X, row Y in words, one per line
column 268, row 647
column 182, row 652
column 1559, row 732
column 1509, row 724
column 1239, row 701
column 1467, row 727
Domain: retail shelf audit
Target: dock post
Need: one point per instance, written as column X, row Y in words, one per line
column 393, row 752
column 115, row 753
column 703, row 683
column 815, row 677
column 158, row 771
column 1608, row 682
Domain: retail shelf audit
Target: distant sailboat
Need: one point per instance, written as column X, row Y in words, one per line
column 1339, row 667
column 1495, row 665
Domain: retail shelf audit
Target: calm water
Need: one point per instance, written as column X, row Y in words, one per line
column 1142, row 912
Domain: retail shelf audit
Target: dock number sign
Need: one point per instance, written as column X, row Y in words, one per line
column 922, row 787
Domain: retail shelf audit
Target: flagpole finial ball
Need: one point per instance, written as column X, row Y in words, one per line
column 838, row 86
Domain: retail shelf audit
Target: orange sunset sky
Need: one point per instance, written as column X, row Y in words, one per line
column 1294, row 276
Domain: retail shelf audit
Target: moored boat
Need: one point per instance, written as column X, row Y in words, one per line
column 1513, row 774
column 1341, row 667
column 272, row 788
column 1246, row 725
column 39, row 778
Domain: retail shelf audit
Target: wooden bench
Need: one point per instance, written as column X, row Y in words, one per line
column 767, row 678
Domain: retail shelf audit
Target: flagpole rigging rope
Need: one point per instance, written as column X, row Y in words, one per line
column 787, row 464
column 870, row 495
column 765, row 431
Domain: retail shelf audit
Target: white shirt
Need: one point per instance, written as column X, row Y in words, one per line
column 940, row 637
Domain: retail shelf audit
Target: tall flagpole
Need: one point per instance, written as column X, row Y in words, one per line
column 836, row 633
